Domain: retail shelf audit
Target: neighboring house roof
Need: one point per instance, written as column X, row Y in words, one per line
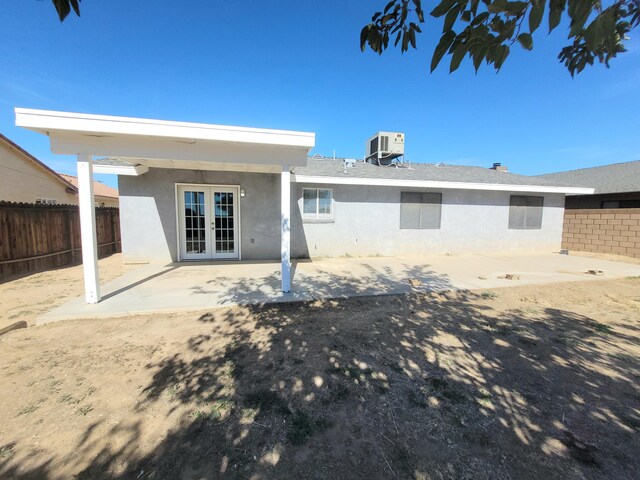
column 425, row 174
column 613, row 178
column 56, row 177
column 99, row 189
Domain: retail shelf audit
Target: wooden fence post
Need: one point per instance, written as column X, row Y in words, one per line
column 72, row 234
column 114, row 237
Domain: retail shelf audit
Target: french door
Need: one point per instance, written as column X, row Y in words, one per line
column 208, row 222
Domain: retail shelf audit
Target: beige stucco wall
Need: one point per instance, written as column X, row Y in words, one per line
column 107, row 202
column 23, row 181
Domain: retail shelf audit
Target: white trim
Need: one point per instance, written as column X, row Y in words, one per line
column 285, row 228
column 317, row 215
column 46, row 120
column 133, row 170
column 88, row 234
column 177, row 203
column 208, row 203
column 385, row 182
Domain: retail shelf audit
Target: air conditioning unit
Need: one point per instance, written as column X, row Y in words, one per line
column 384, row 147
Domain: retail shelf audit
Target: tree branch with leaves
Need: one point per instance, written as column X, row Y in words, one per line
column 485, row 30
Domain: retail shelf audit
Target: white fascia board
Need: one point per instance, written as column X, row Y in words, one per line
column 385, row 182
column 46, row 121
column 132, row 170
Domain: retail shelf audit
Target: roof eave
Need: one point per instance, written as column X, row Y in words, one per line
column 46, row 121
column 384, row 182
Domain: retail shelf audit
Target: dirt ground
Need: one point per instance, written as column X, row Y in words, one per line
column 30, row 296
column 524, row 382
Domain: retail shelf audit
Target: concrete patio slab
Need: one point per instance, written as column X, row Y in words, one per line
column 202, row 286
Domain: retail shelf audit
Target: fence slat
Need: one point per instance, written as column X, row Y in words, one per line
column 40, row 237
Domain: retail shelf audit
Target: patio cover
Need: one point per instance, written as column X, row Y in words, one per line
column 155, row 143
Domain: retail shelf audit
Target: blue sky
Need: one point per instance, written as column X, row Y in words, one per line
column 297, row 65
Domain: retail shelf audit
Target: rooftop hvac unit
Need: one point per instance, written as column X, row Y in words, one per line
column 384, row 147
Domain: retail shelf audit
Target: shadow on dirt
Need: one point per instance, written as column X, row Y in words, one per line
column 441, row 387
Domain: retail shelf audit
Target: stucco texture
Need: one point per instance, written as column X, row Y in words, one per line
column 366, row 220
column 22, row 180
column 367, row 223
column 148, row 212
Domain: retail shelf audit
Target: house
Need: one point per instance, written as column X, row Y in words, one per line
column 616, row 185
column 609, row 220
column 201, row 192
column 104, row 195
column 25, row 179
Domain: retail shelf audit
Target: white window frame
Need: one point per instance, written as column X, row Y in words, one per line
column 420, row 226
column 526, row 212
column 317, row 215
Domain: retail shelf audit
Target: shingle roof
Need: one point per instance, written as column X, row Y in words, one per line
column 614, row 178
column 99, row 189
column 329, row 167
column 334, row 168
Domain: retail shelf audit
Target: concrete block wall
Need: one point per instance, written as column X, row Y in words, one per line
column 604, row 230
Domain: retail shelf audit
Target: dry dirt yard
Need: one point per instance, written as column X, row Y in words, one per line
column 28, row 297
column 524, row 382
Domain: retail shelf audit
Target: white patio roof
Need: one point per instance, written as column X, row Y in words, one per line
column 144, row 143
column 158, row 143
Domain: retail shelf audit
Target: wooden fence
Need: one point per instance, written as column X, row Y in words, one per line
column 40, row 237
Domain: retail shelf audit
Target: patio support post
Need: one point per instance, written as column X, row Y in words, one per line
column 285, row 228
column 88, row 228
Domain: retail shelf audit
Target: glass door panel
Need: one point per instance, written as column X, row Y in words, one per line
column 224, row 223
column 194, row 233
column 194, row 220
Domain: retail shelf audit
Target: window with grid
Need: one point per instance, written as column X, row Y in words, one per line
column 525, row 212
column 317, row 203
column 420, row 210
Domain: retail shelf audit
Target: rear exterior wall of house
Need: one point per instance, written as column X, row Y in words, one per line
column 364, row 220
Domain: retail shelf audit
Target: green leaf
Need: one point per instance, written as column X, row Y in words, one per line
column 395, row 44
column 443, row 45
column 502, row 56
column 526, row 41
column 497, row 6
column 480, row 18
column 478, row 52
column 536, row 14
column 412, row 38
column 443, row 7
column 556, row 7
column 458, row 54
column 364, row 33
column 76, row 6
column 389, row 5
column 516, row 8
column 450, row 19
column 579, row 11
